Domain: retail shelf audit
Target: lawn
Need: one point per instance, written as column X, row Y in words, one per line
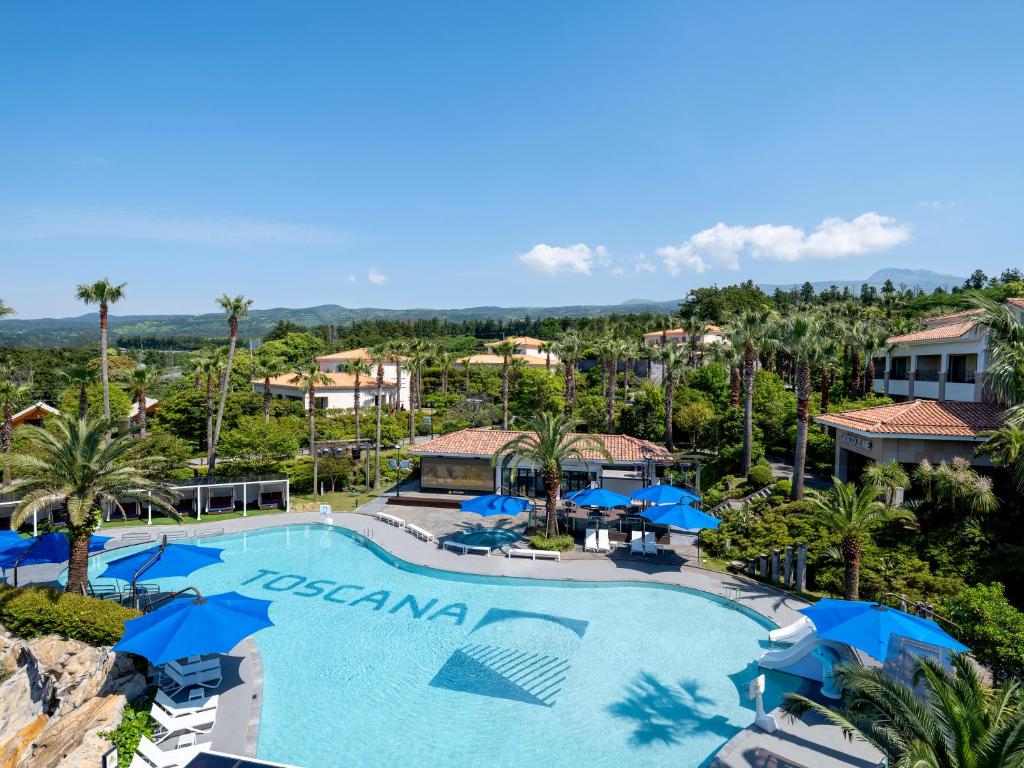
column 341, row 501
column 189, row 519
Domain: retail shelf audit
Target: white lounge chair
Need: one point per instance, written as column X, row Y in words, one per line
column 420, row 533
column 390, row 519
column 590, row 542
column 636, row 543
column 604, row 543
column 149, row 755
column 190, row 722
column 204, row 673
column 650, row 544
column 197, row 701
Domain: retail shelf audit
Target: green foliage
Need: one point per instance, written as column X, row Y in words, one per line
column 120, row 403
column 713, row 381
column 183, row 412
column 259, row 445
column 760, row 476
column 296, row 348
column 990, row 625
column 136, row 722
column 645, row 416
column 34, row 611
column 561, row 543
column 535, row 391
column 774, row 412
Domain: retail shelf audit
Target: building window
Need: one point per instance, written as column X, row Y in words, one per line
column 899, row 369
column 879, row 367
column 963, row 369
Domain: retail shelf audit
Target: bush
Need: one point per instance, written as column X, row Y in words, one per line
column 782, row 488
column 990, row 625
column 34, row 611
column 562, row 543
column 760, row 476
column 136, row 722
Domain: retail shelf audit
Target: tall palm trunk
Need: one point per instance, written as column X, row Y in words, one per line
column 826, row 388
column 357, row 394
column 312, row 438
column 612, row 365
column 734, row 386
column 83, row 403
column 376, row 447
column 232, row 340
column 266, row 399
column 398, row 382
column 78, row 560
column 552, row 483
column 803, row 394
column 6, row 435
column 104, row 369
column 444, row 382
column 856, row 374
column 851, row 559
column 141, row 405
column 869, row 375
column 670, row 391
column 504, row 393
column 209, row 423
column 570, row 388
column 749, row 360
column 414, row 389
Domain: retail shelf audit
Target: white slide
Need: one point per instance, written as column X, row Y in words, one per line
column 792, row 633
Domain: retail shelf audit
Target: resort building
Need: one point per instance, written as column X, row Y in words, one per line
column 34, row 414
column 529, row 346
column 679, row 336
column 339, row 392
column 497, row 360
column 464, row 461
column 336, row 361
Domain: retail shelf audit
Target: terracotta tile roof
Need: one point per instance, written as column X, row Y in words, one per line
column 953, row 316
column 338, row 381
column 34, row 412
column 352, row 354
column 948, row 331
column 919, row 417
column 522, row 341
column 1015, row 302
column 713, row 330
column 486, row 359
column 489, row 442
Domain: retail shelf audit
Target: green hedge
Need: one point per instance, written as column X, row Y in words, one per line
column 33, row 611
column 562, row 543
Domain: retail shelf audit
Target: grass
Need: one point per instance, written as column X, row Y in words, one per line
column 340, row 501
column 189, row 519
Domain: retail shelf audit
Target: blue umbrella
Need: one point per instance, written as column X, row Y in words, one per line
column 598, row 497
column 664, row 494
column 47, row 548
column 867, row 626
column 190, row 627
column 494, row 504
column 163, row 561
column 680, row 516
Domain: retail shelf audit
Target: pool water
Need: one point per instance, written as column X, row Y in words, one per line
column 495, row 538
column 377, row 662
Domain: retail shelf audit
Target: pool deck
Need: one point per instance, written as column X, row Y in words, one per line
column 808, row 743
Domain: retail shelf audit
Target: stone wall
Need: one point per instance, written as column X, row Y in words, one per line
column 56, row 696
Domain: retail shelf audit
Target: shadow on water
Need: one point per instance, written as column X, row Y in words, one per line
column 668, row 712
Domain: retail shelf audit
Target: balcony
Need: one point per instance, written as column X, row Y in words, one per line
column 927, row 375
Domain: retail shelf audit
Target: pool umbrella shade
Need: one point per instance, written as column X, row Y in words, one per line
column 194, row 626
column 170, row 560
column 680, row 516
column 664, row 494
column 493, row 505
column 47, row 548
column 867, row 626
column 598, row 497
column 11, row 540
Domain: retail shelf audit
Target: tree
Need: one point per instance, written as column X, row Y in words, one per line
column 977, row 280
column 266, row 366
column 570, row 349
column 851, row 514
column 505, row 350
column 548, row 443
column 1004, row 377
column 104, row 293
column 258, row 445
column 611, row 349
column 209, row 370
column 888, row 477
column 11, row 395
column 955, row 488
column 69, row 464
column 378, row 356
column 694, row 417
column 70, row 401
column 445, row 360
column 357, row 368
column 419, row 352
column 801, row 339
column 309, row 377
column 141, row 381
column 990, row 625
column 1006, row 448
column 673, row 364
column 749, row 331
column 5, row 310
column 235, row 307
column 81, row 377
column 956, row 721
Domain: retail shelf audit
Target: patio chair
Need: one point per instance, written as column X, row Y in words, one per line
column 196, row 701
column 590, row 542
column 650, row 544
column 636, row 543
column 604, row 544
column 191, row 722
column 176, row 676
column 149, row 755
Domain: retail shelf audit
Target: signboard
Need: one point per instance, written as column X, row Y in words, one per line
column 325, row 509
column 856, row 442
column 456, row 474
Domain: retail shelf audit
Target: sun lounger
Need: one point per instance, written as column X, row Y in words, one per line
column 604, row 544
column 636, row 543
column 590, row 542
column 650, row 544
column 420, row 533
column 203, row 673
column 197, row 701
column 458, row 546
column 533, row 554
column 189, row 722
column 390, row 519
column 149, row 755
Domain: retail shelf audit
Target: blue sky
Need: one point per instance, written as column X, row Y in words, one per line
column 465, row 153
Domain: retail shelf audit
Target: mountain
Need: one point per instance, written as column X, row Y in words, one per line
column 71, row 331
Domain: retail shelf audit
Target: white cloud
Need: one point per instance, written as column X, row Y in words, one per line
column 643, row 264
column 576, row 259
column 350, row 278
column 121, row 223
column 376, row 277
column 722, row 245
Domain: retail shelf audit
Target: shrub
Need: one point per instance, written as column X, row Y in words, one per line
column 562, row 543
column 136, row 722
column 760, row 476
column 990, row 625
column 33, row 611
column 782, row 488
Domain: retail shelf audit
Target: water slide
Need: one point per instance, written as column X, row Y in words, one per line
column 809, row 656
column 792, row 633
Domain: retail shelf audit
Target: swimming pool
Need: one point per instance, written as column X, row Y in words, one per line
column 495, row 538
column 377, row 662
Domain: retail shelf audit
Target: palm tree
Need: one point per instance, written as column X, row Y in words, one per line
column 673, row 365
column 748, row 332
column 570, row 348
column 801, row 335
column 419, row 353
column 1004, row 376
column 546, row 349
column 140, row 381
column 888, row 477
column 548, row 443
column 946, row 720
column 266, row 367
column 732, row 358
column 69, row 464
column 81, row 377
column 104, row 293
column 11, row 395
column 357, row 368
column 956, row 487
column 208, row 370
column 610, row 348
column 445, row 360
column 505, row 349
column 378, row 356
column 235, row 307
column 632, row 350
column 309, row 376
column 1006, row 447
column 851, row 514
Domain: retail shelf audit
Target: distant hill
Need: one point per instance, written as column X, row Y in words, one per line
column 72, row 331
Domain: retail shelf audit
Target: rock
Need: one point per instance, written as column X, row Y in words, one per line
column 74, row 740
